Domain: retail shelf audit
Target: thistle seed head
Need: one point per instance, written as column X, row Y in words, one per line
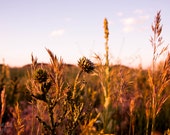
column 86, row 65
column 40, row 75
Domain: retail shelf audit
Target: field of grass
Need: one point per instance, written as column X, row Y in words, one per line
column 89, row 98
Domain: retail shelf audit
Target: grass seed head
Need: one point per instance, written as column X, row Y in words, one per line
column 106, row 29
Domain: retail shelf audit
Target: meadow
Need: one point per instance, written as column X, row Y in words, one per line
column 90, row 98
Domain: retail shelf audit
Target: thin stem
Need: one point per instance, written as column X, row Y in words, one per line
column 52, row 120
column 107, row 73
column 147, row 126
column 75, row 83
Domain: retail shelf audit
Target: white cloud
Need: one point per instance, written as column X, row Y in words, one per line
column 57, row 33
column 129, row 24
column 129, row 21
column 134, row 23
column 137, row 20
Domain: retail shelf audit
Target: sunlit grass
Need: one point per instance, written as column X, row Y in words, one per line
column 91, row 98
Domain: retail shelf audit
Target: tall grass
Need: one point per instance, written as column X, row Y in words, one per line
column 4, row 77
column 153, row 100
column 158, row 80
column 19, row 126
column 103, row 72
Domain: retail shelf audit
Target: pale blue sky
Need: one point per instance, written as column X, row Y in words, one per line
column 74, row 28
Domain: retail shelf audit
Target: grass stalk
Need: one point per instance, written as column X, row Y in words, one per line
column 107, row 67
column 105, row 83
column 159, row 94
column 4, row 76
column 19, row 126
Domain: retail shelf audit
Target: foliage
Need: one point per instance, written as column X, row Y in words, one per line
column 64, row 104
column 91, row 98
column 159, row 94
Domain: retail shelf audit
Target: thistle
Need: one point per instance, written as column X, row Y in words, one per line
column 40, row 75
column 64, row 104
column 86, row 65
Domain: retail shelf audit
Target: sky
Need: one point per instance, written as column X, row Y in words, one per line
column 74, row 28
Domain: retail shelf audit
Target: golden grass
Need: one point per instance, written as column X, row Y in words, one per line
column 3, row 103
column 19, row 126
column 3, row 78
column 159, row 94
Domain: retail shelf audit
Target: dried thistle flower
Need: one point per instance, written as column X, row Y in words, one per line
column 40, row 75
column 86, row 65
